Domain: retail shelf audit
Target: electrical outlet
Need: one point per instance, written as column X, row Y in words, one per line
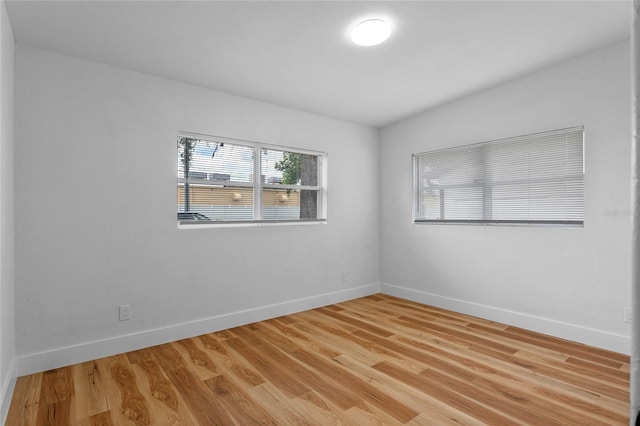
column 627, row 315
column 125, row 312
column 345, row 276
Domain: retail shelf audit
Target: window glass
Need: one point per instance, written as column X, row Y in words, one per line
column 291, row 185
column 222, row 180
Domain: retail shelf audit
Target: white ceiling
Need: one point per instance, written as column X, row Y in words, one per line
column 298, row 54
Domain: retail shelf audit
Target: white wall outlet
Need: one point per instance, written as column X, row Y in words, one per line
column 125, row 312
column 627, row 315
column 345, row 276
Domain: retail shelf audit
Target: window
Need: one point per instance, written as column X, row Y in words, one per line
column 223, row 180
column 533, row 179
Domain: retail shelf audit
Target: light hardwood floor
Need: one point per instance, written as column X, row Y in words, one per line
column 374, row 360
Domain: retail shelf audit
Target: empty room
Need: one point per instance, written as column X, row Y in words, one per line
column 319, row 212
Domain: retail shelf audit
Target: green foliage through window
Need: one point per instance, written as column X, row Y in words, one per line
column 290, row 166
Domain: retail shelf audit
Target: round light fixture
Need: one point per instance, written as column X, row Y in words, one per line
column 370, row 32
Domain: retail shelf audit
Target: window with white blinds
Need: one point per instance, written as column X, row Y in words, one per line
column 222, row 180
column 533, row 179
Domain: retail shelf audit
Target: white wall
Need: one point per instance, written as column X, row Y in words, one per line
column 568, row 282
column 7, row 263
column 96, row 214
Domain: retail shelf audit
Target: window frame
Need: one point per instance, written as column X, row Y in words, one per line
column 415, row 158
column 258, row 185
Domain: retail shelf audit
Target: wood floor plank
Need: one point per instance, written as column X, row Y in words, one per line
column 592, row 373
column 564, row 375
column 305, row 371
column 354, row 322
column 160, row 387
column 447, row 395
column 287, row 412
column 509, row 381
column 355, row 385
column 286, row 319
column 57, row 385
column 439, row 413
column 166, row 405
column 500, row 336
column 134, row 404
column 607, row 373
column 25, row 401
column 111, row 390
column 241, row 407
column 518, row 399
column 562, row 346
column 168, row 357
column 270, row 368
column 55, row 397
column 360, row 388
column 495, row 387
column 204, row 407
column 302, row 339
column 55, row 414
column 210, row 342
column 336, row 337
column 229, row 365
column 377, row 360
column 549, row 385
column 88, row 387
column 101, row 419
column 456, row 335
column 368, row 414
column 199, row 358
column 324, row 339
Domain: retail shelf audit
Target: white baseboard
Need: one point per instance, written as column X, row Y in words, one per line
column 7, row 391
column 59, row 357
column 577, row 333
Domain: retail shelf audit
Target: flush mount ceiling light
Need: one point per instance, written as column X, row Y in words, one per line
column 370, row 32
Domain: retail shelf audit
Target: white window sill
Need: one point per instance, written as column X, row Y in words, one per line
column 558, row 224
column 250, row 224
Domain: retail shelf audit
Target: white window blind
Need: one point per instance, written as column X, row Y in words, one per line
column 215, row 180
column 533, row 179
